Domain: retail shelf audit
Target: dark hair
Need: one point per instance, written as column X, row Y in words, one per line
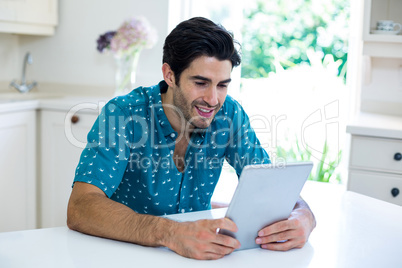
column 198, row 37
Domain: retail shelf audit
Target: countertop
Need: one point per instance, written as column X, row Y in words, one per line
column 352, row 231
column 376, row 125
column 13, row 102
column 7, row 106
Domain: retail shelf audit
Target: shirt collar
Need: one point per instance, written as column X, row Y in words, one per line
column 158, row 109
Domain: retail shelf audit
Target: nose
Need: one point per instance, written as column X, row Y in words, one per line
column 211, row 96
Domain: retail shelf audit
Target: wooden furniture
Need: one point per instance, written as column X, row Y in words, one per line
column 378, row 44
column 375, row 167
column 63, row 137
column 381, row 88
column 18, row 170
column 41, row 139
column 34, row 17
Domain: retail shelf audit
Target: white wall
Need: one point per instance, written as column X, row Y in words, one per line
column 8, row 57
column 70, row 56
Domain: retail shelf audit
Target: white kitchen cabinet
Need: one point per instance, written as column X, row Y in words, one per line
column 36, row 17
column 375, row 164
column 61, row 147
column 381, row 81
column 381, row 45
column 18, row 171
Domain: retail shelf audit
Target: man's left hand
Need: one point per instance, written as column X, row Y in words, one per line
column 291, row 233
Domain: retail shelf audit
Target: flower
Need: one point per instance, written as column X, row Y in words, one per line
column 133, row 35
column 104, row 41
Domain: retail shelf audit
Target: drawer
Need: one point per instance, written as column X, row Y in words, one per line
column 376, row 185
column 376, row 154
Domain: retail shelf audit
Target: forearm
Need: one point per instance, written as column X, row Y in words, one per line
column 95, row 214
column 90, row 211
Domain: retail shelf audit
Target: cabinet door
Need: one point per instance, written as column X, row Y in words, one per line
column 28, row 16
column 60, row 156
column 18, row 171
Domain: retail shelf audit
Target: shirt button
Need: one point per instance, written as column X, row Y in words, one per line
column 173, row 135
column 171, row 151
column 183, row 210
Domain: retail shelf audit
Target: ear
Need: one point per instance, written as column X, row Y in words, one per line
column 168, row 75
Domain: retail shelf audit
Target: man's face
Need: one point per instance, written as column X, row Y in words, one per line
column 202, row 90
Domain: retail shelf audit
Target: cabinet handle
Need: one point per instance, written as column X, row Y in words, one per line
column 395, row 192
column 75, row 119
column 398, row 156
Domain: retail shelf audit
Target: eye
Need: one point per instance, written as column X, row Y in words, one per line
column 200, row 83
column 223, row 85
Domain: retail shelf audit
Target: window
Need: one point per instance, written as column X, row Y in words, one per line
column 292, row 82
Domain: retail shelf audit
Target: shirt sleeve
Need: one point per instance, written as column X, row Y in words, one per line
column 244, row 148
column 106, row 155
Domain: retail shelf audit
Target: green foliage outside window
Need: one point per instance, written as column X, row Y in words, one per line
column 324, row 168
column 281, row 31
column 281, row 34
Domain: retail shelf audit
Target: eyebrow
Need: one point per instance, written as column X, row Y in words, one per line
column 199, row 77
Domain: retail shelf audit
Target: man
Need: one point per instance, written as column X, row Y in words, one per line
column 159, row 150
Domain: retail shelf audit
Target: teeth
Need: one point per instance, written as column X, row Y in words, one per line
column 203, row 110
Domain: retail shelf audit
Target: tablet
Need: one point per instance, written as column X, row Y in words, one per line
column 265, row 194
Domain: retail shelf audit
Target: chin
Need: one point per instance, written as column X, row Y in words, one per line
column 202, row 123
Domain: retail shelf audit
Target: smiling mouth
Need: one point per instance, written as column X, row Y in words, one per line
column 205, row 112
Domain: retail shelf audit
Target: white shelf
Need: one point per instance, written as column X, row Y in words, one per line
column 383, row 38
column 383, row 49
column 381, row 45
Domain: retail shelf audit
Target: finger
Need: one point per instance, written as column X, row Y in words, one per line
column 277, row 227
column 284, row 246
column 224, row 223
column 227, row 241
column 220, row 250
column 279, row 246
column 206, row 256
column 211, row 256
column 287, row 235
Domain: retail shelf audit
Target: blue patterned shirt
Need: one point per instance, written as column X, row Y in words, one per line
column 129, row 154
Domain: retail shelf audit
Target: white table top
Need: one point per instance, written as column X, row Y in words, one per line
column 352, row 231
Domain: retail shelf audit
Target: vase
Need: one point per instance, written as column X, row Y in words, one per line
column 126, row 68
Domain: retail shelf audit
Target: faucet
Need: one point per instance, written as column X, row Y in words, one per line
column 24, row 87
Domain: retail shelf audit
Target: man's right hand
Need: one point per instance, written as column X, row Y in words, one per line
column 200, row 240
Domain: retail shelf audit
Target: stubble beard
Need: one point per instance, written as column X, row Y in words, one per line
column 184, row 110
